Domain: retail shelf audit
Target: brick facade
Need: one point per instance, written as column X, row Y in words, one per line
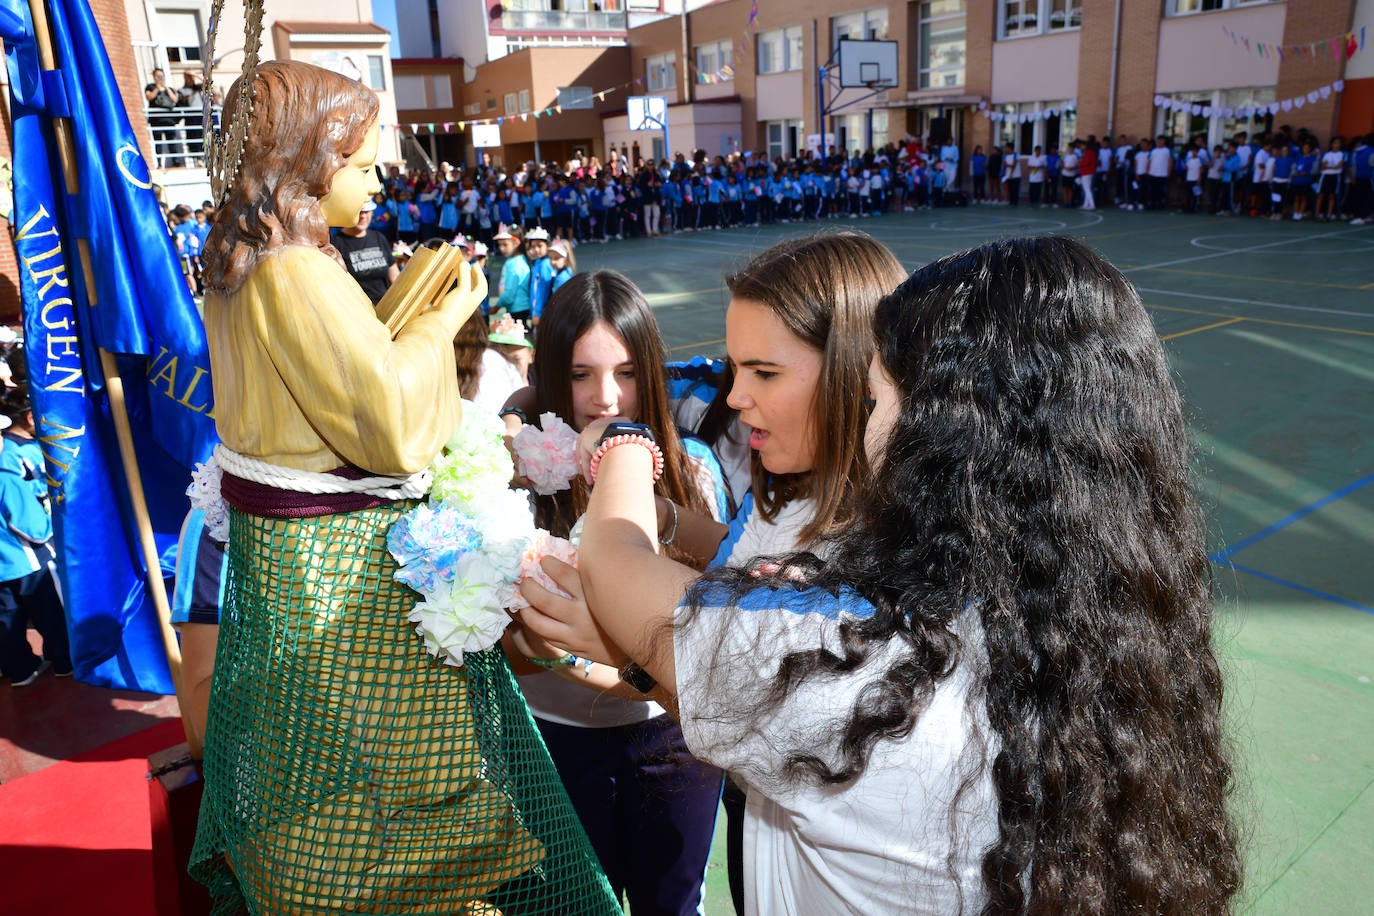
column 1299, row 74
column 113, row 21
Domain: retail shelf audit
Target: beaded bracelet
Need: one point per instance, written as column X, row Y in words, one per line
column 608, row 444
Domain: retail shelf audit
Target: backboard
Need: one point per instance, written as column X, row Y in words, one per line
column 867, row 64
column 647, row 112
column 486, row 135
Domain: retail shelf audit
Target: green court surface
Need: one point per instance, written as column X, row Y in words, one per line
column 1270, row 329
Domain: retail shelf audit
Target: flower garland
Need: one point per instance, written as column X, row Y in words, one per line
column 466, row 550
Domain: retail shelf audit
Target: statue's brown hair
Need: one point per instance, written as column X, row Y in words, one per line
column 306, row 122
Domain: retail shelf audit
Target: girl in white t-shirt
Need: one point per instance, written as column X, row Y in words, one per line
column 987, row 697
column 1035, row 176
column 798, row 336
column 1329, row 190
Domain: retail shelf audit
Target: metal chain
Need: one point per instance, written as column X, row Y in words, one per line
column 224, row 147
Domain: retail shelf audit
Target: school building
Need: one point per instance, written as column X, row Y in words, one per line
column 738, row 75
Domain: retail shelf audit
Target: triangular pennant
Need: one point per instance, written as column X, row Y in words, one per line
column 1324, row 92
column 1338, row 86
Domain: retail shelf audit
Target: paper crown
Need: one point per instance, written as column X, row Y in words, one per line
column 537, row 234
column 507, row 330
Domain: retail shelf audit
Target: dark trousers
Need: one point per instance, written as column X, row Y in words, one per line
column 1013, row 186
column 648, row 806
column 32, row 599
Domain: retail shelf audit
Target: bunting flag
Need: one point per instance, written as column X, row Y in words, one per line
column 129, row 299
column 1245, row 112
column 1026, row 117
column 1338, row 46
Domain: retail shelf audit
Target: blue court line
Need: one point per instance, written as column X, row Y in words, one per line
column 1221, row 556
column 1301, row 588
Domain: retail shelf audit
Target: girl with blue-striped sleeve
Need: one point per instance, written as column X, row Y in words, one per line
column 798, row 314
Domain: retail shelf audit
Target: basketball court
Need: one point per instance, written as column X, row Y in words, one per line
column 1270, row 330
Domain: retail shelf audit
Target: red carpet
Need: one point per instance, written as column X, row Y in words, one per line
column 75, row 836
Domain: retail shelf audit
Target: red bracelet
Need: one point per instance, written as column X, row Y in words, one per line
column 608, row 444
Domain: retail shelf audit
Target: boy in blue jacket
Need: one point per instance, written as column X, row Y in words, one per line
column 28, row 589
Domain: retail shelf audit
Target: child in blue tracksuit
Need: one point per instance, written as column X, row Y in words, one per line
column 514, row 288
column 541, row 271
column 28, row 588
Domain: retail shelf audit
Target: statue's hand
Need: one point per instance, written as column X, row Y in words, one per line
column 466, row 295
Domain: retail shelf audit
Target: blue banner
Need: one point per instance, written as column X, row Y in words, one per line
column 141, row 310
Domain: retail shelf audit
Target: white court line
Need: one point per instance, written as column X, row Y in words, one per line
column 1269, row 305
column 1219, row 254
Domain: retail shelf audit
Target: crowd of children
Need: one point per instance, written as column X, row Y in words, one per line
column 1276, row 174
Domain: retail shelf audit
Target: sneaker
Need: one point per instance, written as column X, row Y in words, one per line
column 43, row 665
column 1297, row 217
column 1358, row 221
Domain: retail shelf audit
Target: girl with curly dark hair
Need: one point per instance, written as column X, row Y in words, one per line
column 997, row 693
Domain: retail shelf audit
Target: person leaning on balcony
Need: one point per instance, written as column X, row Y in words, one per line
column 161, row 101
column 191, row 97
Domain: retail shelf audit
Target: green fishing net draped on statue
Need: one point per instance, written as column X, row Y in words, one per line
column 349, row 771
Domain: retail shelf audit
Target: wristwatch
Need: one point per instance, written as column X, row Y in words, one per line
column 628, row 429
column 638, row 678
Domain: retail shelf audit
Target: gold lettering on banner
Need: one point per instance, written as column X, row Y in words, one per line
column 71, row 380
column 55, row 450
column 33, row 220
column 162, row 376
column 123, row 170
column 185, row 399
column 56, row 276
column 62, row 324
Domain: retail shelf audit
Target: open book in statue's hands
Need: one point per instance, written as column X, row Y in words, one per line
column 426, row 280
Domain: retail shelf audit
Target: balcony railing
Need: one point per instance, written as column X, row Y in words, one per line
column 562, row 21
column 178, row 136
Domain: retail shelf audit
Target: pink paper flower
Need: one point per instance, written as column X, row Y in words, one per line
column 544, row 545
column 548, row 456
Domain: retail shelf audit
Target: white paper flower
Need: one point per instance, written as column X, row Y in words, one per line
column 204, row 492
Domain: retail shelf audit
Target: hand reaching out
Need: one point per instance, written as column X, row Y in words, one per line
column 567, row 623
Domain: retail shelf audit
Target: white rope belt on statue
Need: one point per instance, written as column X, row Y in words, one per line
column 283, row 478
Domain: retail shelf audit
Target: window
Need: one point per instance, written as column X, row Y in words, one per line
column 180, row 30
column 1019, row 17
column 512, row 103
column 525, row 100
column 1031, row 124
column 780, row 50
column 376, row 71
column 440, row 91
column 867, row 25
column 1064, row 14
column 661, row 72
column 473, row 108
column 491, row 104
column 784, row 138
column 942, row 44
column 575, row 98
column 713, row 58
column 1188, row 7
column 1037, row 17
column 1215, row 114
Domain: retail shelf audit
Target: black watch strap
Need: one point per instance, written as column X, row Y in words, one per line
column 638, row 678
column 628, row 429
